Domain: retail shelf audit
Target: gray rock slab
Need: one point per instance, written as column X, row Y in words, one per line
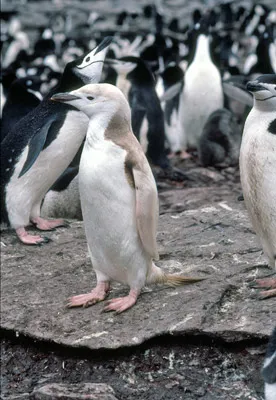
column 206, row 235
column 80, row 391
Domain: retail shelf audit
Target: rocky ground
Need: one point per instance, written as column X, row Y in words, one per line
column 202, row 341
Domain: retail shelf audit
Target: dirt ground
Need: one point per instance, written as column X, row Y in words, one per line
column 167, row 368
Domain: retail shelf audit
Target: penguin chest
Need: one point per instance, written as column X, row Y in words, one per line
column 202, row 94
column 258, row 175
column 108, row 207
column 51, row 161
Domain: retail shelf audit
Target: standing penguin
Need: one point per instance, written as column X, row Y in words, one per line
column 138, row 85
column 171, row 76
column 258, row 169
column 41, row 146
column 23, row 96
column 202, row 92
column 115, row 180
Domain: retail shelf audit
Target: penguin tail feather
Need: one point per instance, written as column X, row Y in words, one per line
column 156, row 275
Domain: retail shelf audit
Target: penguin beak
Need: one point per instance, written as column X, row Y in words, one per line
column 64, row 97
column 104, row 43
column 254, row 86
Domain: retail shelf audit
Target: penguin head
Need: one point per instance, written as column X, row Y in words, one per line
column 98, row 98
column 264, row 89
column 124, row 65
column 89, row 67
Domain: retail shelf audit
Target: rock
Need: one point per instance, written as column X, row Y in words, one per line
column 214, row 240
column 22, row 396
column 80, row 391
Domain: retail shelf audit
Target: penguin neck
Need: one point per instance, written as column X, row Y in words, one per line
column 97, row 127
column 202, row 52
column 265, row 105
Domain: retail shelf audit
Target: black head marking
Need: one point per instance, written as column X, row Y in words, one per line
column 268, row 78
column 272, row 127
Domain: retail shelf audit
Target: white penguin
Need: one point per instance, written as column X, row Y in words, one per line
column 118, row 198
column 258, row 169
column 202, row 92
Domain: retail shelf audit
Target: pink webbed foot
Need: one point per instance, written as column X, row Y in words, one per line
column 184, row 155
column 88, row 299
column 25, row 238
column 122, row 303
column 265, row 283
column 47, row 225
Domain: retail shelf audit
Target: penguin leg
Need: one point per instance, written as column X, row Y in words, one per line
column 98, row 294
column 25, row 238
column 121, row 304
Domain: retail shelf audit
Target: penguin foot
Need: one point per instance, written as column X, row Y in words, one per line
column 47, row 225
column 184, row 155
column 265, row 283
column 122, row 303
column 25, row 238
column 89, row 299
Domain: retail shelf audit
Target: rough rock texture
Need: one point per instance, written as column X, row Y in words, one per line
column 214, row 241
column 81, row 391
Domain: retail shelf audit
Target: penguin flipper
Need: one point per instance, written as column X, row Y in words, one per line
column 237, row 93
column 173, row 91
column 36, row 145
column 146, row 210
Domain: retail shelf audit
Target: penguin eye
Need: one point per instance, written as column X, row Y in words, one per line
column 90, row 98
column 87, row 59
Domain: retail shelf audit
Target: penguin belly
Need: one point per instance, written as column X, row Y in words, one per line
column 24, row 194
column 258, row 177
column 109, row 214
column 202, row 95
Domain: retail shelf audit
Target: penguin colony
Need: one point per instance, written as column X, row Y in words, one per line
column 184, row 91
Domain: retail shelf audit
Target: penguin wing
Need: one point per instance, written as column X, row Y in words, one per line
column 36, row 144
column 146, row 209
column 237, row 93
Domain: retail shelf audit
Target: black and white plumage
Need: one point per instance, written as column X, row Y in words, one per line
column 202, row 92
column 173, row 75
column 23, row 96
column 269, row 368
column 258, row 170
column 138, row 85
column 41, row 146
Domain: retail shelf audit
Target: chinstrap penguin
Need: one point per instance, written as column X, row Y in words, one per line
column 137, row 83
column 202, row 91
column 41, row 146
column 118, row 198
column 269, row 368
column 23, row 97
column 258, row 170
